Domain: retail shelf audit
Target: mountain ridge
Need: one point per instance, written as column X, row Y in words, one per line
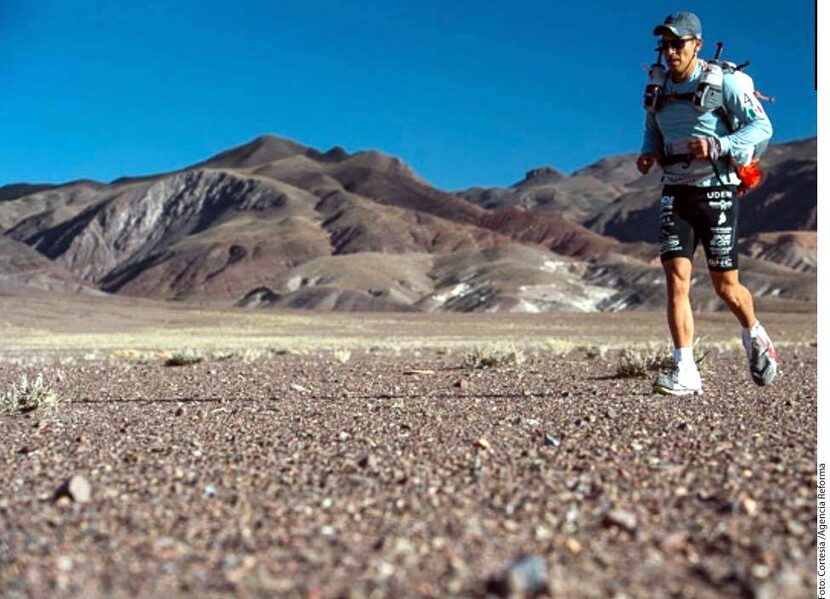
column 245, row 226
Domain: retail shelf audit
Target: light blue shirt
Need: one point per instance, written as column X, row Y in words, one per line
column 678, row 122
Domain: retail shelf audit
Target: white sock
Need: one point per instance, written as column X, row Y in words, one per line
column 753, row 330
column 684, row 358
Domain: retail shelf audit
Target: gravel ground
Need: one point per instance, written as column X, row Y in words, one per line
column 404, row 475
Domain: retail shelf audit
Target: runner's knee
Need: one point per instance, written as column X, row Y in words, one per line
column 678, row 285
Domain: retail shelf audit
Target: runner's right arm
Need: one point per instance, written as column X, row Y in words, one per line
column 650, row 150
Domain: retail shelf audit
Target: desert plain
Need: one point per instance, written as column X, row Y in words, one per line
column 299, row 454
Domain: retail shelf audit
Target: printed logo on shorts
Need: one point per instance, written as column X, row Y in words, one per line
column 721, row 205
column 670, row 244
column 720, row 263
column 666, row 205
column 721, row 218
column 716, row 195
column 721, row 240
column 666, row 214
column 720, row 251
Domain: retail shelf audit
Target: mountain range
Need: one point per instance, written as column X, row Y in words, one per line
column 273, row 223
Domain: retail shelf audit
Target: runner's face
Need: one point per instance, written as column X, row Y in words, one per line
column 679, row 59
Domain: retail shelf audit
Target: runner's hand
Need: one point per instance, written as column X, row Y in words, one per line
column 699, row 148
column 645, row 162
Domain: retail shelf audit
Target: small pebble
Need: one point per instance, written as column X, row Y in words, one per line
column 76, row 488
column 622, row 518
column 551, row 441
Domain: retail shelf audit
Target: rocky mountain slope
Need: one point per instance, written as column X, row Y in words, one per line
column 17, row 190
column 23, row 270
column 276, row 223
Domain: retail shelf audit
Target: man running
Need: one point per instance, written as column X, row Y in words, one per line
column 698, row 150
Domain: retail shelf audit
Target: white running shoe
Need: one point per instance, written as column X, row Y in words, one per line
column 678, row 382
column 760, row 353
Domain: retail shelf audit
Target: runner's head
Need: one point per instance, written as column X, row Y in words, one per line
column 681, row 41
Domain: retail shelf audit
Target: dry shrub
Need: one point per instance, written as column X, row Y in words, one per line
column 493, row 356
column 641, row 362
column 26, row 396
column 223, row 355
column 557, row 348
column 251, row 355
column 185, row 357
column 342, row 355
column 141, row 356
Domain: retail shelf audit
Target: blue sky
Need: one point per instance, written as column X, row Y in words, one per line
column 467, row 93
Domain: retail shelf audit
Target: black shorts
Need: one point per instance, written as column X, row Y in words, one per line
column 707, row 214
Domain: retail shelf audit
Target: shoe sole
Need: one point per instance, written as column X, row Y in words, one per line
column 674, row 392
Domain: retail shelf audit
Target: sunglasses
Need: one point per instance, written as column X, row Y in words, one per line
column 675, row 44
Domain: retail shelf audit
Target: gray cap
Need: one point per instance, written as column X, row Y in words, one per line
column 681, row 24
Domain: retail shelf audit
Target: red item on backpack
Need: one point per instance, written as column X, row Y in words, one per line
column 750, row 176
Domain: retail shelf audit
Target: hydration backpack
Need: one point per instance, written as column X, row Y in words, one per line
column 709, row 97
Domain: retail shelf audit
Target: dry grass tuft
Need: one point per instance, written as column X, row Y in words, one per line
column 557, row 348
column 185, row 357
column 493, row 356
column 342, row 355
column 246, row 355
column 26, row 396
column 642, row 362
column 141, row 356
